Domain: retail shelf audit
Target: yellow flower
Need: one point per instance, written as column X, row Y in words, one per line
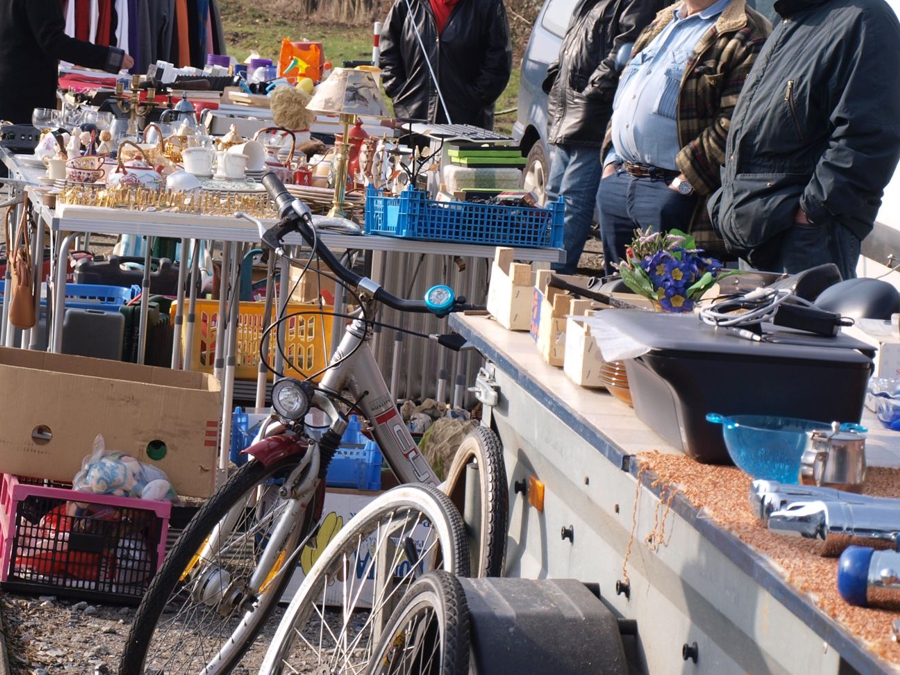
column 677, row 274
column 660, row 270
column 660, row 293
column 677, row 300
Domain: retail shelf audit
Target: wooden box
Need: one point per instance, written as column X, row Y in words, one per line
column 549, row 309
column 582, row 355
column 510, row 291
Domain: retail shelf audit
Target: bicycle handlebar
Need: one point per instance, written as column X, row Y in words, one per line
column 296, row 217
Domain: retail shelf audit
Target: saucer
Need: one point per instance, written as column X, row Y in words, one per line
column 46, row 180
column 231, row 185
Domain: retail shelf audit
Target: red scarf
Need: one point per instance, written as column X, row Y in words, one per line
column 442, row 9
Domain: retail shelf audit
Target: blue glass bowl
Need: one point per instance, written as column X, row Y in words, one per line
column 767, row 447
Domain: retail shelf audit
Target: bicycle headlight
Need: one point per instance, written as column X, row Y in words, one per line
column 291, row 398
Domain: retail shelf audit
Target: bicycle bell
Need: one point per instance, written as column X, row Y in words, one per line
column 834, row 458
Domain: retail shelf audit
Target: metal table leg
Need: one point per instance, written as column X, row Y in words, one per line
column 229, row 346
column 59, row 298
column 194, row 283
column 262, row 376
column 285, row 267
column 219, row 359
column 179, row 305
column 145, row 302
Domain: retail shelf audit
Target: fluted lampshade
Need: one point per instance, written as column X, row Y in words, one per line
column 349, row 91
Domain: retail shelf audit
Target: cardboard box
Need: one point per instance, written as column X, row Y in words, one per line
column 340, row 506
column 549, row 309
column 582, row 355
column 312, row 284
column 54, row 406
column 510, row 291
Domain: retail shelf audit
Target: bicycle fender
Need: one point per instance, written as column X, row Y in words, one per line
column 275, row 448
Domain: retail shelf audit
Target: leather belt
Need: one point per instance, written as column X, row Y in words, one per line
column 647, row 171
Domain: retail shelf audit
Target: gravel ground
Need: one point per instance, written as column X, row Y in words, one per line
column 46, row 635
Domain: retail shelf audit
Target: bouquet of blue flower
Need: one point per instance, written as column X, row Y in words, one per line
column 669, row 269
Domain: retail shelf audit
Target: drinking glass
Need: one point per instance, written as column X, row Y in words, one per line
column 45, row 119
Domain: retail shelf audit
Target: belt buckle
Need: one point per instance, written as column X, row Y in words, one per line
column 636, row 170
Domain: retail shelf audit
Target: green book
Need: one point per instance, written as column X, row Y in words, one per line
column 483, row 151
column 489, row 161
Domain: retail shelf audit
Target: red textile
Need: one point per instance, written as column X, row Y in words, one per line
column 83, row 19
column 104, row 25
column 442, row 9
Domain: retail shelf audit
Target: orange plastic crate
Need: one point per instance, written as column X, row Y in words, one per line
column 307, row 343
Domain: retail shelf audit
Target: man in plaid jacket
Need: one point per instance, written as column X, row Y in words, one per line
column 665, row 144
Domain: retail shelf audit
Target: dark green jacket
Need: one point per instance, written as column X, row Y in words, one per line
column 817, row 125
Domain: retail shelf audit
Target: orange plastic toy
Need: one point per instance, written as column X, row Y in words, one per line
column 301, row 59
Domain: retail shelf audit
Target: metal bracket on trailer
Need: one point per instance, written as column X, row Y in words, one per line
column 486, row 388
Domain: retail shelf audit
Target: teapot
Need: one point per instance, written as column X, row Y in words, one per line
column 183, row 112
column 134, row 173
column 835, row 458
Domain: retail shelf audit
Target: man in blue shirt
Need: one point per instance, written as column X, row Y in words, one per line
column 666, row 140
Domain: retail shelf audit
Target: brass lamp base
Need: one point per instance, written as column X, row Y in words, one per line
column 341, row 160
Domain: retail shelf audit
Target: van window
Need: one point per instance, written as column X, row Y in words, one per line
column 556, row 16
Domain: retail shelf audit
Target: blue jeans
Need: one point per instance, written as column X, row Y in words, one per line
column 628, row 203
column 806, row 246
column 574, row 175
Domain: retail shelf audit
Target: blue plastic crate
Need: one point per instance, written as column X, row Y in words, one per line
column 358, row 468
column 413, row 215
column 92, row 296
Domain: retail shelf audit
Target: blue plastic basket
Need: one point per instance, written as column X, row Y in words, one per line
column 356, row 467
column 92, row 296
column 413, row 215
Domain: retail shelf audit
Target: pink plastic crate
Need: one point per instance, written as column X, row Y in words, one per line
column 57, row 540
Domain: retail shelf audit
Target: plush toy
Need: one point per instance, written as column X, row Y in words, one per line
column 288, row 106
column 111, row 472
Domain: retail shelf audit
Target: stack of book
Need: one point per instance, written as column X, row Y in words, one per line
column 486, row 156
column 489, row 166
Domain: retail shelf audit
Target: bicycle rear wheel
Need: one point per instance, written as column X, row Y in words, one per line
column 197, row 615
column 487, row 527
column 364, row 571
column 428, row 634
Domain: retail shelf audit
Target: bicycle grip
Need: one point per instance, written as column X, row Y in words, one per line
column 278, row 192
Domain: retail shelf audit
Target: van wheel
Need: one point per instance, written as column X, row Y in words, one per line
column 537, row 171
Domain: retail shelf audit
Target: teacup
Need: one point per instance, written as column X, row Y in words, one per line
column 198, row 160
column 256, row 154
column 182, row 181
column 235, row 165
column 56, row 168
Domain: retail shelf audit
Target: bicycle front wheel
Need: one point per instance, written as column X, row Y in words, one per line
column 198, row 616
column 362, row 573
column 428, row 634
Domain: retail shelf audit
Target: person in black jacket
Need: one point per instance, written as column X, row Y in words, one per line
column 581, row 85
column 814, row 138
column 463, row 43
column 32, row 41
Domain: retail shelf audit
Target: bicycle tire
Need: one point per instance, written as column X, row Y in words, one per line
column 156, row 640
column 428, row 633
column 383, row 527
column 484, row 447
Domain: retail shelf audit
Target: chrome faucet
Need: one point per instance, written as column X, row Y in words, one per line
column 837, row 525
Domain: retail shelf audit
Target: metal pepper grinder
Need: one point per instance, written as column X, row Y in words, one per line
column 835, row 458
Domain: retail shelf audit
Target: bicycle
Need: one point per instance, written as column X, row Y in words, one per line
column 225, row 574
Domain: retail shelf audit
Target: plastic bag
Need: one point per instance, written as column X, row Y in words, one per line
column 112, row 472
